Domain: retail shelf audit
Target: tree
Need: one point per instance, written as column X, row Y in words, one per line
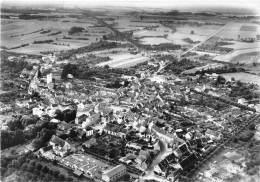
column 38, row 143
column 33, row 162
column 252, row 126
column 106, row 66
column 220, row 80
column 59, row 114
column 16, row 164
column 112, row 153
column 69, row 179
column 38, row 166
column 56, row 174
column 104, row 37
column 192, row 32
column 61, row 177
column 30, row 168
column 45, row 169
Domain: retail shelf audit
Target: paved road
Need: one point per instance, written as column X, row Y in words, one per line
column 150, row 171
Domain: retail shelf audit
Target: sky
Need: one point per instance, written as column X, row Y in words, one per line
column 181, row 4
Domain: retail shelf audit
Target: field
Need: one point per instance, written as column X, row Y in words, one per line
column 232, row 30
column 124, row 60
column 243, row 77
column 230, row 56
column 20, row 32
column 248, row 28
column 247, row 58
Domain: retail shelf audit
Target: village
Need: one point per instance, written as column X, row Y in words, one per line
column 160, row 125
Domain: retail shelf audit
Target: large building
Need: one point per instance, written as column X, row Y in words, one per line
column 114, row 173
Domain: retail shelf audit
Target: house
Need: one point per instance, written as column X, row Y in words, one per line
column 89, row 131
column 114, row 173
column 213, row 135
column 81, row 119
column 47, row 152
column 59, row 146
column 31, row 104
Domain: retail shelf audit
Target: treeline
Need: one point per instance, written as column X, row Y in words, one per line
column 179, row 66
column 25, row 10
column 220, row 70
column 55, row 33
column 43, row 41
column 30, row 17
column 161, row 47
column 92, row 47
column 45, row 31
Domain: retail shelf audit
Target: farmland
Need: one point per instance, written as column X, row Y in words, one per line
column 19, row 32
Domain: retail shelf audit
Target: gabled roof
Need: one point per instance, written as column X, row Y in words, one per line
column 57, row 141
column 114, row 170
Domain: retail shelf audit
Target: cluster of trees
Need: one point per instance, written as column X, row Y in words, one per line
column 75, row 30
column 66, row 115
column 214, row 48
column 210, row 102
column 244, row 91
column 30, row 168
column 179, row 66
column 22, row 128
column 11, row 69
column 44, row 136
column 85, row 72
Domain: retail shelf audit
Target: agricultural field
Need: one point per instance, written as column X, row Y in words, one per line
column 124, row 60
column 22, row 32
column 232, row 30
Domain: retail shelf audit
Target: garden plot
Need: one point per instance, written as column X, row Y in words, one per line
column 124, row 60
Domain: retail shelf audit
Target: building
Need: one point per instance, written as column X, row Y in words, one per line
column 114, row 173
column 213, row 135
column 59, row 146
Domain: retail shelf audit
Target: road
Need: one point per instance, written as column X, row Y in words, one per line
column 162, row 154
